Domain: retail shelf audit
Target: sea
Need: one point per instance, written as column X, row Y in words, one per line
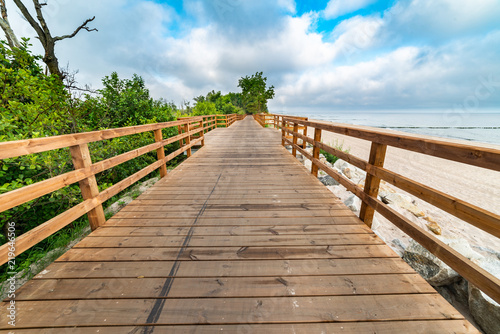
column 474, row 127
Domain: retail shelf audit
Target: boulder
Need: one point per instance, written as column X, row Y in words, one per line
column 486, row 311
column 347, row 172
column 404, row 202
column 435, row 271
column 353, row 203
column 340, row 164
column 328, row 181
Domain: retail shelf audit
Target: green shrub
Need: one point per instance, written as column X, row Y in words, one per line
column 339, row 146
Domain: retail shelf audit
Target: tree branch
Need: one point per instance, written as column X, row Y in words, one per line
column 82, row 26
column 4, row 23
column 41, row 19
column 31, row 21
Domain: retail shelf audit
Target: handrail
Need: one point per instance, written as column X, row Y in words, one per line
column 468, row 154
column 191, row 132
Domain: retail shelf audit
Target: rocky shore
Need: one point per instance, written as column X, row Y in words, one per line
column 474, row 304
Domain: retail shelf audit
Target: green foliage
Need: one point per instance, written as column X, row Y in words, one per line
column 204, row 108
column 330, row 157
column 215, row 103
column 32, row 105
column 255, row 93
column 124, row 102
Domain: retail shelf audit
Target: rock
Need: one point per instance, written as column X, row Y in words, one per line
column 340, row 164
column 435, row 271
column 432, row 269
column 353, row 203
column 433, row 226
column 485, row 310
column 398, row 246
column 404, row 202
column 347, row 172
column 328, row 181
column 308, row 164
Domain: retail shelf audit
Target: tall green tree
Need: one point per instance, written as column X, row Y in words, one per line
column 255, row 93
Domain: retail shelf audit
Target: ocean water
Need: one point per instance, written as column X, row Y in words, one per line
column 476, row 127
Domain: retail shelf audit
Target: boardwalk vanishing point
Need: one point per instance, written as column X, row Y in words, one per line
column 239, row 238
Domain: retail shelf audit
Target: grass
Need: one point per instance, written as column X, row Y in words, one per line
column 337, row 145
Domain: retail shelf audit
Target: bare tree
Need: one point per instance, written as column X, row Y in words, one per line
column 4, row 23
column 45, row 37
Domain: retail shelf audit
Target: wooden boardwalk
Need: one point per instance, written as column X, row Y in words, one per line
column 239, row 238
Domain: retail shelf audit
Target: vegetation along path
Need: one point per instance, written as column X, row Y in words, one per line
column 240, row 238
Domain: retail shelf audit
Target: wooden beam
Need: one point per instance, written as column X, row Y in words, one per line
column 469, row 154
column 317, row 137
column 81, row 159
column 295, row 130
column 160, row 152
column 187, row 127
column 372, row 183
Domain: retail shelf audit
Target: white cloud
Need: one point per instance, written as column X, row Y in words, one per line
column 409, row 77
column 336, row 8
column 418, row 53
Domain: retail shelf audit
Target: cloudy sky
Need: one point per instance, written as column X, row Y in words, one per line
column 324, row 55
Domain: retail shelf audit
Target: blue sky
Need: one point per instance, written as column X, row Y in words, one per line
column 326, row 55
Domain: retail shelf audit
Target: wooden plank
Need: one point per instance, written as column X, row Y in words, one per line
column 242, row 241
column 232, row 230
column 141, row 206
column 220, row 221
column 35, row 235
column 237, row 310
column 260, row 268
column 224, row 287
column 428, row 327
column 238, row 214
column 78, row 254
column 29, row 146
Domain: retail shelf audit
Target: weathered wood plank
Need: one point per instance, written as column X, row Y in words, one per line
column 228, row 241
column 259, row 268
column 237, row 310
column 224, row 287
column 227, row 253
column 428, row 327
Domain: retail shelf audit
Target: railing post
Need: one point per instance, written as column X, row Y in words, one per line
column 160, row 153
column 295, row 130
column 225, row 120
column 188, row 138
column 304, row 143
column 317, row 138
column 81, row 159
column 180, row 129
column 372, row 183
column 283, row 134
column 202, row 133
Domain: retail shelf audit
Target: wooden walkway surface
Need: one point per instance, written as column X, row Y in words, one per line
column 239, row 238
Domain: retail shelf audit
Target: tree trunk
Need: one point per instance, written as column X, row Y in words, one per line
column 9, row 33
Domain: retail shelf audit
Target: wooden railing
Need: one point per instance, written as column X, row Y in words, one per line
column 374, row 167
column 191, row 132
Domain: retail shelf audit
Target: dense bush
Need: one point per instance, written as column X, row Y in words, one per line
column 37, row 105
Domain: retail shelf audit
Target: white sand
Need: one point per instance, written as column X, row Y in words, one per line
column 472, row 184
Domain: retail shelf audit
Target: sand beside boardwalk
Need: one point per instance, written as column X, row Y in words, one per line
column 472, row 184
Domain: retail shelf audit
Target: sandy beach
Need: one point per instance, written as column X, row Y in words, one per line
column 472, row 184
